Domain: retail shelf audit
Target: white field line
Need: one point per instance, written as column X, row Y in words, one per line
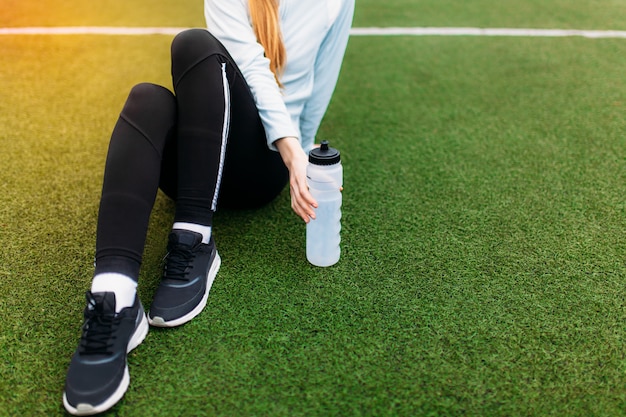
column 91, row 30
column 390, row 31
column 430, row 31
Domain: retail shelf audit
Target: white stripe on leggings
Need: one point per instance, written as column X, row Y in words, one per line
column 225, row 129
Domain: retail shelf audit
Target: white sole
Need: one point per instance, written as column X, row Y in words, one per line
column 83, row 409
column 159, row 322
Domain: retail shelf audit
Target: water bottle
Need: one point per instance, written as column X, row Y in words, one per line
column 325, row 178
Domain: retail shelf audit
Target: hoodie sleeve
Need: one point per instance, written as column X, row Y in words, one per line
column 229, row 21
column 327, row 67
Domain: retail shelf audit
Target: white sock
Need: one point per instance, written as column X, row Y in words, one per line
column 123, row 286
column 205, row 231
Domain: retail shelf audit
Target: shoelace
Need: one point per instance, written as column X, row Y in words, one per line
column 178, row 261
column 98, row 330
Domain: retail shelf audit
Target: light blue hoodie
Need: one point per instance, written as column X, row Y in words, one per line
column 315, row 34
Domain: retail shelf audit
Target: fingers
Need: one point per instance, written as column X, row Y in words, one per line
column 302, row 202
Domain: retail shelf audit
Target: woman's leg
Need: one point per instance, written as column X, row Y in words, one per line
column 220, row 148
column 115, row 321
column 146, row 123
column 203, row 102
column 253, row 175
column 131, row 178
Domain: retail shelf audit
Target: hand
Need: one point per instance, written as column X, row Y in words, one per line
column 302, row 202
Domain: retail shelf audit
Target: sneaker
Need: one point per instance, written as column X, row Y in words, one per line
column 98, row 374
column 190, row 268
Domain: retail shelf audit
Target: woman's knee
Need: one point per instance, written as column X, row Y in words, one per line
column 195, row 43
column 150, row 111
column 151, row 107
column 191, row 47
column 151, row 99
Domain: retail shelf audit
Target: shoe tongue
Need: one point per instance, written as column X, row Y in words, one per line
column 103, row 302
column 186, row 238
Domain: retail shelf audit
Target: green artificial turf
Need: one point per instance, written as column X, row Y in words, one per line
column 102, row 13
column 482, row 271
column 562, row 14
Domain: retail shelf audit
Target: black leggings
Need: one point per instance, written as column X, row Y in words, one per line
column 205, row 140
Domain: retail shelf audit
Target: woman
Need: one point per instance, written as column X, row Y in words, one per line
column 249, row 95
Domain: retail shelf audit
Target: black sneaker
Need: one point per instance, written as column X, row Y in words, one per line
column 98, row 374
column 190, row 268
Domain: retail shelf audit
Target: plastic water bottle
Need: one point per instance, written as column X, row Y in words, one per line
column 325, row 178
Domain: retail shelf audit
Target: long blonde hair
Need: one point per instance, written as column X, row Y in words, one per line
column 265, row 20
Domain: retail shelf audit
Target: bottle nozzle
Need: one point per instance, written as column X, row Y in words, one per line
column 324, row 155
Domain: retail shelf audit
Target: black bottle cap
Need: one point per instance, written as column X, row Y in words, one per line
column 324, row 155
